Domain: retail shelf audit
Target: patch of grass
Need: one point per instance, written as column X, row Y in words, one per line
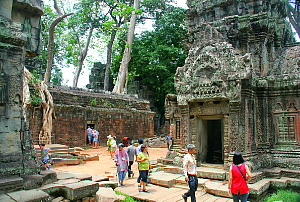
column 128, row 198
column 284, row 195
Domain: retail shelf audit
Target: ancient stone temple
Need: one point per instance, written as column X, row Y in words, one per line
column 239, row 88
column 19, row 36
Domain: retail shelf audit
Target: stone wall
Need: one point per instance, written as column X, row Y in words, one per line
column 110, row 114
column 19, row 36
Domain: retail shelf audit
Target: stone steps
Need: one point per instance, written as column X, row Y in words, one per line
column 63, row 155
column 213, row 179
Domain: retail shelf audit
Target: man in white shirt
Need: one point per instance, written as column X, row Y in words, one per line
column 189, row 168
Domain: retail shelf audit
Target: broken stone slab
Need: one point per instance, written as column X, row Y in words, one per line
column 6, row 198
column 272, row 173
column 32, row 195
column 62, row 161
column 108, row 195
column 256, row 176
column 11, row 184
column 163, row 179
column 64, row 175
column 67, row 181
column 110, row 184
column 80, row 189
column 259, row 187
column 67, row 175
column 53, row 189
column 285, row 182
column 48, row 176
column 32, row 181
column 99, row 178
column 211, row 173
column 173, row 169
column 216, row 188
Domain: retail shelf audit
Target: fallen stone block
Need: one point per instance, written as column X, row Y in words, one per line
column 32, row 181
column 48, row 176
column 259, row 187
column 33, row 195
column 108, row 195
column 80, row 189
column 91, row 158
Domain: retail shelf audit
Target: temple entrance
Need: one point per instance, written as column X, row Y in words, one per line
column 211, row 140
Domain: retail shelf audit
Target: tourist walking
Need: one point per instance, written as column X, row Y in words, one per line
column 90, row 134
column 45, row 155
column 168, row 139
column 121, row 159
column 189, row 168
column 132, row 154
column 239, row 174
column 144, row 166
column 95, row 138
column 111, row 144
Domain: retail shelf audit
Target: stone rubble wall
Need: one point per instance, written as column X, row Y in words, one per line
column 112, row 114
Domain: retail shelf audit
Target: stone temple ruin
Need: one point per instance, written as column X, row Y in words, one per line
column 239, row 88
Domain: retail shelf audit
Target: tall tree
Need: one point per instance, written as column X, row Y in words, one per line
column 157, row 54
column 122, row 78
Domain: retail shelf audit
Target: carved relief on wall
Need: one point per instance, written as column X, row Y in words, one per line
column 287, row 124
column 213, row 69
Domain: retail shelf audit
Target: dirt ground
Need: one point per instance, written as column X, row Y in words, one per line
column 105, row 163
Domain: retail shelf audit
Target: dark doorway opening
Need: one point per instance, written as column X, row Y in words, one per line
column 214, row 142
column 92, row 126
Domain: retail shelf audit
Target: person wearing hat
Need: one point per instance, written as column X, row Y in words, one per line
column 121, row 159
column 111, row 144
column 189, row 169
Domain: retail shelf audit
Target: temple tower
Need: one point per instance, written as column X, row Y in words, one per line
column 239, row 87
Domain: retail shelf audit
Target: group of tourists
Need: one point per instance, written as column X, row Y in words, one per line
column 93, row 137
column 124, row 159
column 239, row 174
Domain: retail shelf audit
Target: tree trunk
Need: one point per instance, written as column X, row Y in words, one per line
column 108, row 59
column 83, row 54
column 46, row 104
column 122, row 79
column 50, row 46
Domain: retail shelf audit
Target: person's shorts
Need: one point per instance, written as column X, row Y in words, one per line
column 45, row 161
column 90, row 137
column 95, row 140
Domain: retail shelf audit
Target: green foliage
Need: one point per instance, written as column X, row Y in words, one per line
column 94, row 102
column 128, row 198
column 284, row 195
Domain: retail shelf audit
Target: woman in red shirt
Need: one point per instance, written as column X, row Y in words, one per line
column 239, row 173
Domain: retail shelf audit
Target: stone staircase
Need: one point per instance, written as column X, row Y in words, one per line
column 213, row 179
column 63, row 155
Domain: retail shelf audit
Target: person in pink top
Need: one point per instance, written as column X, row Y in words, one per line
column 239, row 174
column 121, row 159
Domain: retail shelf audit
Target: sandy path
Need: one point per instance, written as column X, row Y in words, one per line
column 105, row 164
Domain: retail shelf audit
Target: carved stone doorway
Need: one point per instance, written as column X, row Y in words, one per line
column 211, row 140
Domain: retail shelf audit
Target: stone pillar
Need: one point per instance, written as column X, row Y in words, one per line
column 11, row 71
column 5, row 8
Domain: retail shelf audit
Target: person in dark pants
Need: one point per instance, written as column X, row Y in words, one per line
column 132, row 154
column 189, row 168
